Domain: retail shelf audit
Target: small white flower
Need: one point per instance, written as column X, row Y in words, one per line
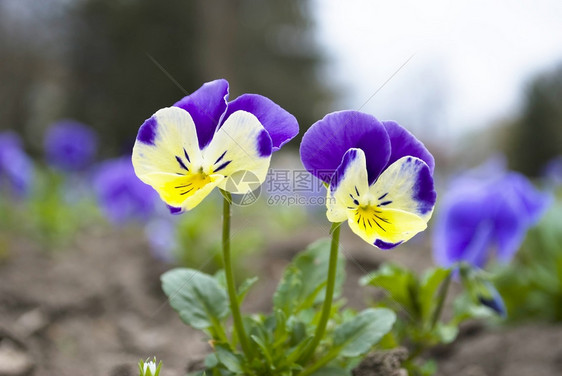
column 149, row 367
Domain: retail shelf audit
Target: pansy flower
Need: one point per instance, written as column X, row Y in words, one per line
column 16, row 168
column 122, row 197
column 486, row 211
column 70, row 145
column 187, row 150
column 379, row 176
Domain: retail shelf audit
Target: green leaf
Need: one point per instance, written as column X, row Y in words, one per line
column 264, row 348
column 245, row 287
column 303, row 283
column 446, row 333
column 197, row 297
column 232, row 362
column 465, row 308
column 211, row 360
column 397, row 282
column 429, row 286
column 331, row 371
column 287, row 295
column 356, row 337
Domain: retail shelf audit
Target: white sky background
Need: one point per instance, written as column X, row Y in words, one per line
column 471, row 59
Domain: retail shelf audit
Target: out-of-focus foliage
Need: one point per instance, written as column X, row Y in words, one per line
column 419, row 301
column 532, row 284
column 108, row 62
column 199, row 242
column 536, row 137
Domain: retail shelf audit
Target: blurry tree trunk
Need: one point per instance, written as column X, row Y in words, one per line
column 217, row 24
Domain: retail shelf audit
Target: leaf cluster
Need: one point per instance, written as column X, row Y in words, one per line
column 279, row 339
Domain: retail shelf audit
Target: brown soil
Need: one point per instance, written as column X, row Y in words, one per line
column 96, row 308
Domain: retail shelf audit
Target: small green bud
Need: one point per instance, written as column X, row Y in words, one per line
column 149, row 367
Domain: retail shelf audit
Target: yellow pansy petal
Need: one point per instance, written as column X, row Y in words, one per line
column 384, row 228
column 183, row 191
column 240, row 144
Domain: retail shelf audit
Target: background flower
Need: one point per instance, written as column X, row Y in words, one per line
column 486, row 210
column 70, row 145
column 120, row 194
column 16, row 168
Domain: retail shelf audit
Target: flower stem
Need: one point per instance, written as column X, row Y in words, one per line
column 443, row 289
column 234, row 306
column 327, row 306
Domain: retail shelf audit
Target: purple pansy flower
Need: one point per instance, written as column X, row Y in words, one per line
column 187, row 150
column 16, row 168
column 120, row 194
column 380, row 176
column 480, row 214
column 70, row 145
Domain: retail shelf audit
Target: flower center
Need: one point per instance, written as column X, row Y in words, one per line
column 371, row 219
column 177, row 190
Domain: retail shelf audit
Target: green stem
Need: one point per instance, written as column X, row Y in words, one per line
column 443, row 289
column 234, row 306
column 327, row 306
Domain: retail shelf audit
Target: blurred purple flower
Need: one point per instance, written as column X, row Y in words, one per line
column 481, row 214
column 16, row 168
column 70, row 145
column 161, row 234
column 121, row 195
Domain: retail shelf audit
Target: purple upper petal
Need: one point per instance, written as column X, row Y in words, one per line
column 326, row 141
column 403, row 143
column 206, row 106
column 281, row 125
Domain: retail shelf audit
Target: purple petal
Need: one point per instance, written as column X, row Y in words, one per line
column 206, row 106
column 462, row 231
column 326, row 141
column 281, row 125
column 16, row 168
column 403, row 143
column 174, row 210
column 533, row 202
column 147, row 131
column 70, row 145
column 384, row 245
column 122, row 197
column 510, row 222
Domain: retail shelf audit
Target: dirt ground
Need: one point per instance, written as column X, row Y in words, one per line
column 95, row 308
